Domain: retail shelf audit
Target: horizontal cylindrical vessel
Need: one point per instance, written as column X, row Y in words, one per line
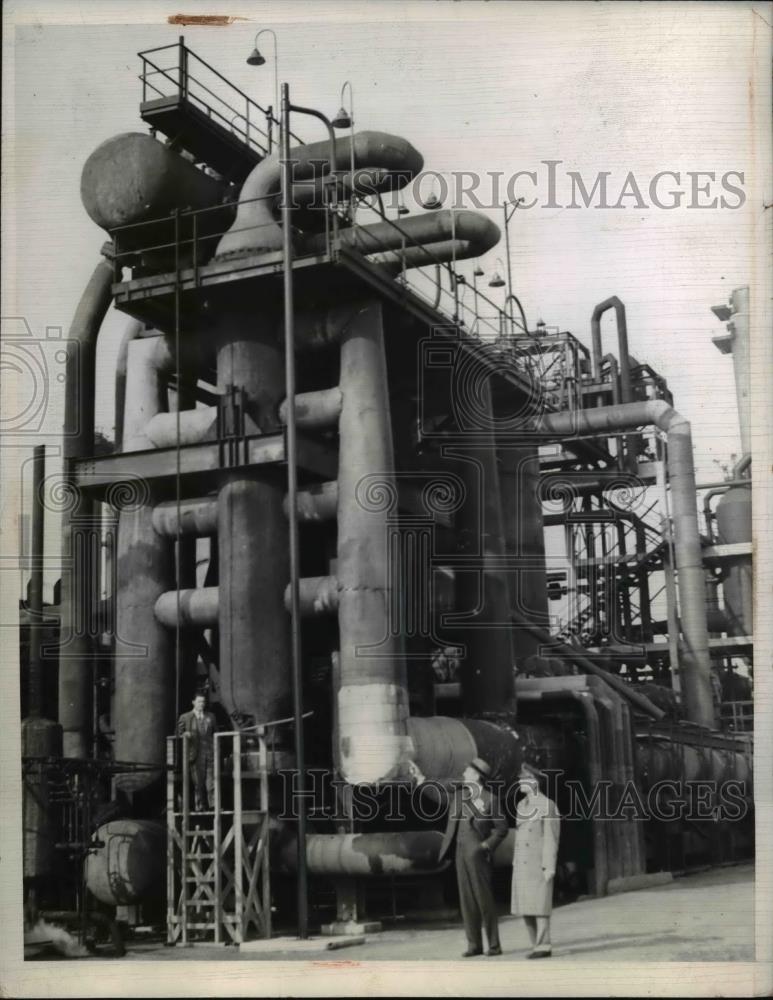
column 134, row 177
column 129, row 864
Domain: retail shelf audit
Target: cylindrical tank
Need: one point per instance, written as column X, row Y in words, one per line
column 130, row 863
column 734, row 524
column 39, row 738
column 134, row 178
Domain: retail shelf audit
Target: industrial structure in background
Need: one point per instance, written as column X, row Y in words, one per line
column 380, row 520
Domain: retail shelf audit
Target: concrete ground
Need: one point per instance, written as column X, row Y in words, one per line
column 703, row 917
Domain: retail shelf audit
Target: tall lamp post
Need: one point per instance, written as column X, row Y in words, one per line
column 345, row 119
column 292, row 474
column 512, row 206
column 256, row 58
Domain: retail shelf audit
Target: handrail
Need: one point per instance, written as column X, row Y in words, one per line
column 186, row 76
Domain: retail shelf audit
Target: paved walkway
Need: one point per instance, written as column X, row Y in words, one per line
column 704, row 917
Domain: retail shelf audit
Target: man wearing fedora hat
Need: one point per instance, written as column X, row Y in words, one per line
column 537, row 829
column 475, row 827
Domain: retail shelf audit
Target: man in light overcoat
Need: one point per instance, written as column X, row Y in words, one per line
column 537, row 829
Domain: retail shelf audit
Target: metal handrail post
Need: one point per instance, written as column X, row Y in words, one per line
column 217, row 840
column 171, row 830
column 183, row 67
column 292, row 494
column 186, row 804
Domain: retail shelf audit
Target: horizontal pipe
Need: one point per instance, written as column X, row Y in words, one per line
column 193, row 516
column 195, row 426
column 255, row 229
column 476, row 232
column 317, row 503
column 317, row 409
column 409, row 852
column 318, row 595
column 197, row 607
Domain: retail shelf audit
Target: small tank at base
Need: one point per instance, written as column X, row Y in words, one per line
column 129, row 865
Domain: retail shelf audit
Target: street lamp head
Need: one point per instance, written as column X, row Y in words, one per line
column 497, row 281
column 342, row 119
column 432, row 202
column 478, row 272
column 255, row 58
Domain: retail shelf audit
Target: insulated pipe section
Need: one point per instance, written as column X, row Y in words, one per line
column 194, row 426
column 314, row 410
column 696, row 662
column 474, row 234
column 78, row 433
column 317, row 503
column 252, row 530
column 197, row 516
column 367, row 854
column 132, row 332
column 198, row 607
column 371, row 742
column 318, row 595
column 622, row 343
column 144, row 673
column 255, row 229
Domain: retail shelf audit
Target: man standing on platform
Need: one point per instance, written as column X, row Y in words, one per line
column 537, row 829
column 200, row 725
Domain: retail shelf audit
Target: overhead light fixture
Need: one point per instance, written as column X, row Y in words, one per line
column 255, row 58
column 402, row 208
column 342, row 119
column 497, row 281
column 478, row 272
column 432, row 202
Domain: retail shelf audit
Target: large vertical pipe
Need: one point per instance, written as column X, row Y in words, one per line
column 75, row 650
column 487, row 674
column 144, row 673
column 372, row 698
column 525, row 540
column 252, row 532
column 35, row 602
column 292, row 500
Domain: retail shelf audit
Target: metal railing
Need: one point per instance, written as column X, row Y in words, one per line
column 176, row 71
column 737, row 716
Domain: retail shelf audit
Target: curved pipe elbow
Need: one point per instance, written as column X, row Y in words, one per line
column 255, row 230
column 622, row 343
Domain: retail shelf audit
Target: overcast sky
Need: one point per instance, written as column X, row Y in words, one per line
column 637, row 88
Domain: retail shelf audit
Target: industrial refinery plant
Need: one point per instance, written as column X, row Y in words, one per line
column 382, row 522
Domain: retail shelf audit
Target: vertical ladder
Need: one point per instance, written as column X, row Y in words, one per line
column 218, row 878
